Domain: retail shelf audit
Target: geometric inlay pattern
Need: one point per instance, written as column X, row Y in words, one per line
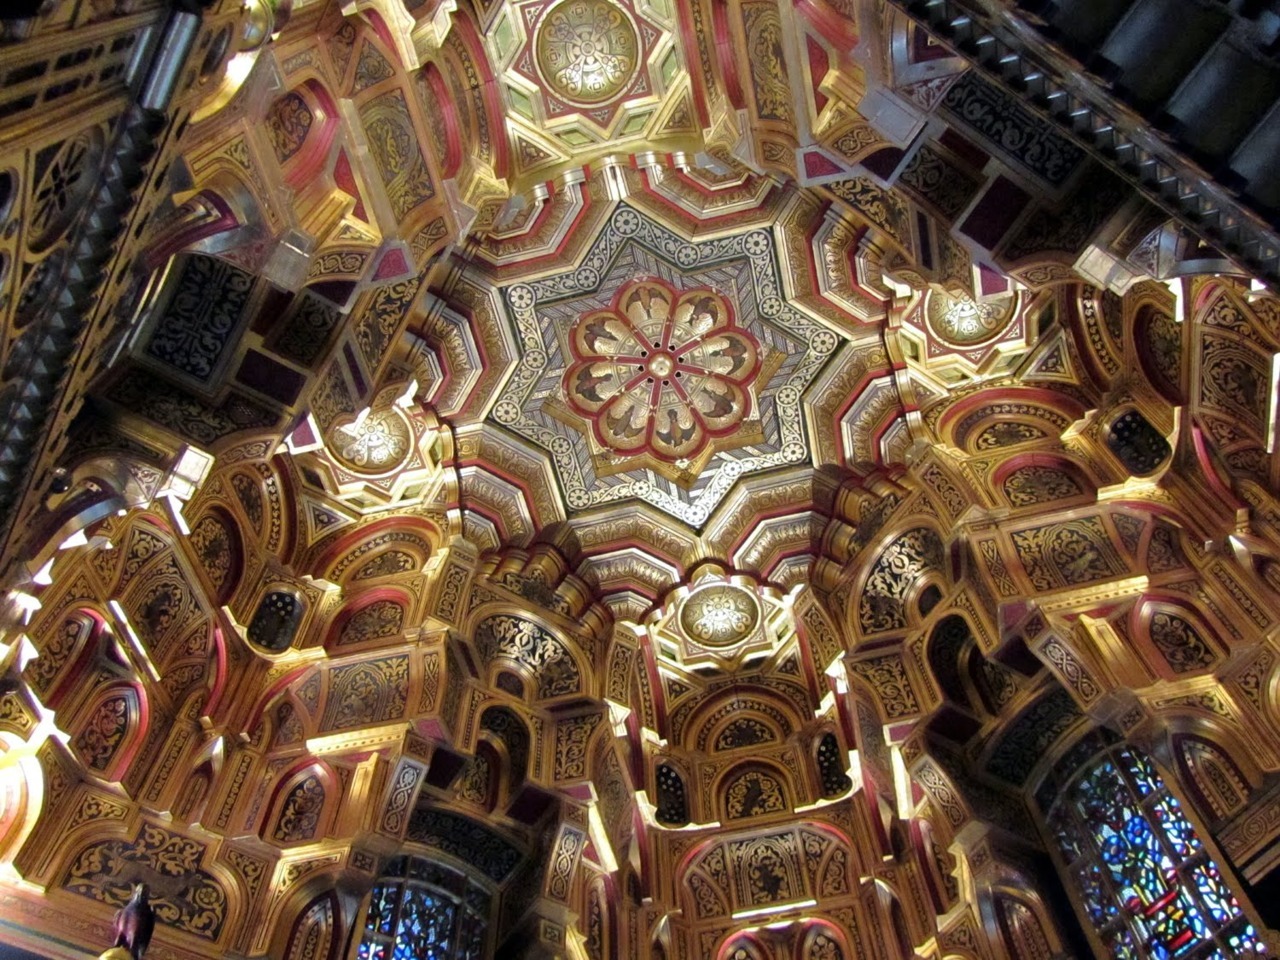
column 740, row 272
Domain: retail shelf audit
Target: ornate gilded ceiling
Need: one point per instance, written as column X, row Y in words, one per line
column 580, row 77
column 661, row 368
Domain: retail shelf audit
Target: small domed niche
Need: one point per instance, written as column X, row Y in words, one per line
column 719, row 620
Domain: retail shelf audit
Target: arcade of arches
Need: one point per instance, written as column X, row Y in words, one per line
column 684, row 479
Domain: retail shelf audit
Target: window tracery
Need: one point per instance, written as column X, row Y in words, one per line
column 1144, row 878
column 830, row 767
column 673, row 807
column 421, row 909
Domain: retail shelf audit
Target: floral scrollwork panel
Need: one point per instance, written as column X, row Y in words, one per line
column 754, row 793
column 184, row 896
column 882, row 606
column 534, row 648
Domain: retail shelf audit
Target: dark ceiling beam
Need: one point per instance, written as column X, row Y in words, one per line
column 1010, row 50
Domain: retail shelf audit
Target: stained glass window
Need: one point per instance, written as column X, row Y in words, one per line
column 1146, row 882
column 420, row 910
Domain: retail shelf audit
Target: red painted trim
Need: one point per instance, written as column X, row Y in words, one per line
column 1033, row 396
column 701, row 95
column 184, row 237
column 353, row 538
column 724, row 52
column 488, row 91
column 435, row 81
column 363, row 600
column 219, row 686
column 839, row 30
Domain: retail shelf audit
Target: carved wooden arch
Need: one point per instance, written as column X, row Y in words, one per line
column 274, row 937
column 1158, row 344
column 371, row 617
column 743, row 946
column 465, row 67
column 343, row 554
column 810, row 939
column 1025, row 926
column 713, row 717
column 507, row 751
column 68, row 644
column 549, row 661
column 933, row 857
column 738, row 795
column 285, row 727
column 948, row 653
column 223, row 569
column 908, row 558
column 1177, row 637
column 1037, row 415
column 1018, row 481
column 890, row 903
column 101, row 486
column 302, row 153
column 435, row 87
column 601, row 926
column 1209, row 774
column 109, row 728
column 303, row 804
column 316, row 932
column 270, row 697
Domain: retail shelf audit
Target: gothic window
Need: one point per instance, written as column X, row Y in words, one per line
column 1148, row 885
column 1136, row 443
column 422, row 909
column 276, row 621
column 673, row 808
column 831, row 768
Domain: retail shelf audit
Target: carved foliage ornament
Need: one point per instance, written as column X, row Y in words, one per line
column 587, row 50
column 882, row 605
column 183, row 896
column 534, row 648
column 661, row 372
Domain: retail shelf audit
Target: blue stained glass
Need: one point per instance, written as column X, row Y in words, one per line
column 382, row 908
column 1143, row 874
column 1213, row 892
column 1177, row 830
column 1098, row 901
column 1121, row 945
column 1141, row 771
column 416, row 913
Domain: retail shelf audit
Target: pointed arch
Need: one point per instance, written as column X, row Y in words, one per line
column 316, row 933
column 303, row 805
column 109, row 729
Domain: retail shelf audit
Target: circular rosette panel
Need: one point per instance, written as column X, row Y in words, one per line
column 588, row 51
column 661, row 373
column 720, row 615
column 375, row 444
column 964, row 322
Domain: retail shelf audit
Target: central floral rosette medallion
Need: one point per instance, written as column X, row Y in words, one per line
column 587, row 50
column 661, row 373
